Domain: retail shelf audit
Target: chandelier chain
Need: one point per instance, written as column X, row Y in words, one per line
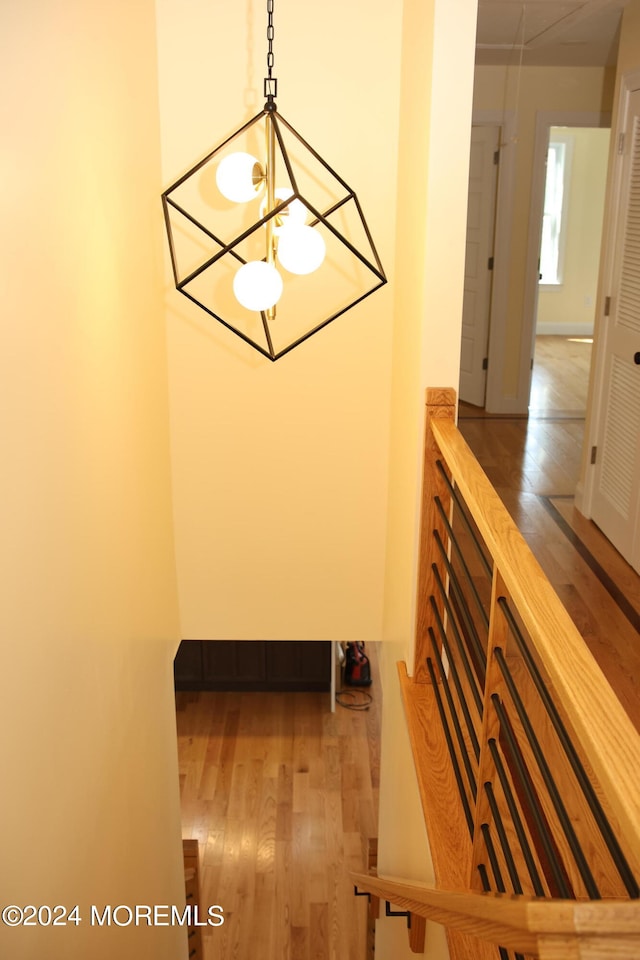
column 270, row 59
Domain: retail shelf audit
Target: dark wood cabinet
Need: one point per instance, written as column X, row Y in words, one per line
column 253, row 665
column 302, row 663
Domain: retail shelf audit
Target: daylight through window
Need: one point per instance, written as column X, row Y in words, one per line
column 555, row 210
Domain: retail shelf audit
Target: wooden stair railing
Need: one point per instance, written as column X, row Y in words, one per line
column 528, row 766
column 549, row 929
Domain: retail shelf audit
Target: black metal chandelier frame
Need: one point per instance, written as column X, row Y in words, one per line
column 275, row 119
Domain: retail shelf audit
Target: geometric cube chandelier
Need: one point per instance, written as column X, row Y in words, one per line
column 266, row 237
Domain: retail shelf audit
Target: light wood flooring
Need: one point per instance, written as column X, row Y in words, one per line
column 534, row 465
column 283, row 798
column 560, row 376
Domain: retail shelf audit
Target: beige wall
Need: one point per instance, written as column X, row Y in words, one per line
column 297, row 485
column 280, row 470
column 629, row 52
column 509, row 91
column 89, row 808
column 435, row 124
column 571, row 305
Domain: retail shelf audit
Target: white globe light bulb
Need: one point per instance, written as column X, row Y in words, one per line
column 239, row 177
column 296, row 212
column 257, row 285
column 301, row 249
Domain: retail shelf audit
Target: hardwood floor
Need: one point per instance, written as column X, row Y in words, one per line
column 560, row 376
column 283, row 798
column 534, row 465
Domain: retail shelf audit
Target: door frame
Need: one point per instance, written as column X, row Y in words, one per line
column 545, row 119
column 506, row 121
column 629, row 81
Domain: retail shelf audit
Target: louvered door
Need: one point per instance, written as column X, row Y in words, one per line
column 616, row 499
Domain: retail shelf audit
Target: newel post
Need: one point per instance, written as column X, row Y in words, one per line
column 440, row 405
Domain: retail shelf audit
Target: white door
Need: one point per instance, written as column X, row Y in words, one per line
column 483, row 178
column 616, row 495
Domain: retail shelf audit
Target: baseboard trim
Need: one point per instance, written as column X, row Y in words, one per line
column 564, row 329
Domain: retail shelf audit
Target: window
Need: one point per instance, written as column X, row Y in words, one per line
column 555, row 211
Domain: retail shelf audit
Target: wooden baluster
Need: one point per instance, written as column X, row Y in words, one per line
column 417, row 933
column 440, row 405
column 192, row 892
column 374, row 902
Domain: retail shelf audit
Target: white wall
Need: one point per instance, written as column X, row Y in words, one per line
column 89, row 807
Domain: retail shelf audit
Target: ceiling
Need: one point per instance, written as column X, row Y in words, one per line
column 580, row 33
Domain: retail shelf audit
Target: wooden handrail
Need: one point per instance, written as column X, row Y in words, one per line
column 609, row 739
column 527, row 764
column 548, row 929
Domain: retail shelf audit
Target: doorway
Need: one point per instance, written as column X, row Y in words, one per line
column 572, row 149
column 568, row 265
column 495, row 134
column 496, row 401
